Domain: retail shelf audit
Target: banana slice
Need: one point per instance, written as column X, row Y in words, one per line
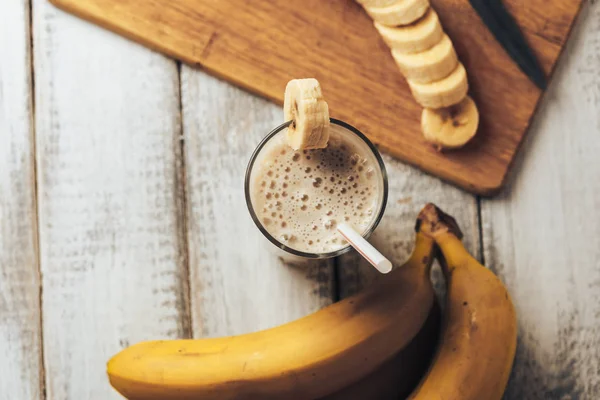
column 376, row 3
column 451, row 127
column 305, row 107
column 443, row 93
column 430, row 65
column 414, row 38
column 401, row 12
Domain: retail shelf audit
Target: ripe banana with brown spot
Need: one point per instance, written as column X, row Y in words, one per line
column 309, row 358
column 479, row 334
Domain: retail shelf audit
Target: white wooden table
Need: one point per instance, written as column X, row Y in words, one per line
column 122, row 215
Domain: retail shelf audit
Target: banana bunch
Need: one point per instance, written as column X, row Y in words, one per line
column 426, row 57
column 379, row 344
column 475, row 352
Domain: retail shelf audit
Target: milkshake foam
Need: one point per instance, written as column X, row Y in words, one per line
column 300, row 197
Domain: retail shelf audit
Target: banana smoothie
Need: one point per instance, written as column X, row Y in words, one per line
column 311, row 175
column 298, row 197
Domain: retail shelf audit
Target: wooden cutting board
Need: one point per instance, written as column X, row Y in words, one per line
column 260, row 45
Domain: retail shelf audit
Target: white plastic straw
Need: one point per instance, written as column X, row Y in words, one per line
column 365, row 248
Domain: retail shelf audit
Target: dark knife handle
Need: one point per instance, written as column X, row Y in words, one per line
column 505, row 29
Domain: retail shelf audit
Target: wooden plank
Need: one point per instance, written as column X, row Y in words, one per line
column 21, row 372
column 543, row 238
column 261, row 45
column 409, row 191
column 108, row 126
column 237, row 286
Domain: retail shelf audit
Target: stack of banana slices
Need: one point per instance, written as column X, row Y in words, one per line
column 426, row 57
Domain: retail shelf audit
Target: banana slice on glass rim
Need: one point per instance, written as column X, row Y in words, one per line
column 305, row 107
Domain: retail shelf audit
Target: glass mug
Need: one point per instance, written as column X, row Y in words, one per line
column 346, row 133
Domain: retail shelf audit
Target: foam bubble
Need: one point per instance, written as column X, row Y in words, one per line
column 329, row 224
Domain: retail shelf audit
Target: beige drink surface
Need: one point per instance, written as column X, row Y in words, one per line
column 301, row 196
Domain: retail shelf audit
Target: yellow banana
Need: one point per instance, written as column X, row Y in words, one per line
column 396, row 379
column 479, row 335
column 308, row 358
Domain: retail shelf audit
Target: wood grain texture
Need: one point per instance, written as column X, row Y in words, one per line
column 108, row 126
column 261, row 45
column 237, row 285
column 409, row 190
column 21, row 373
column 543, row 238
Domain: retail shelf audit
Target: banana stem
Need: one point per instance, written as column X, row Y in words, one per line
column 443, row 228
